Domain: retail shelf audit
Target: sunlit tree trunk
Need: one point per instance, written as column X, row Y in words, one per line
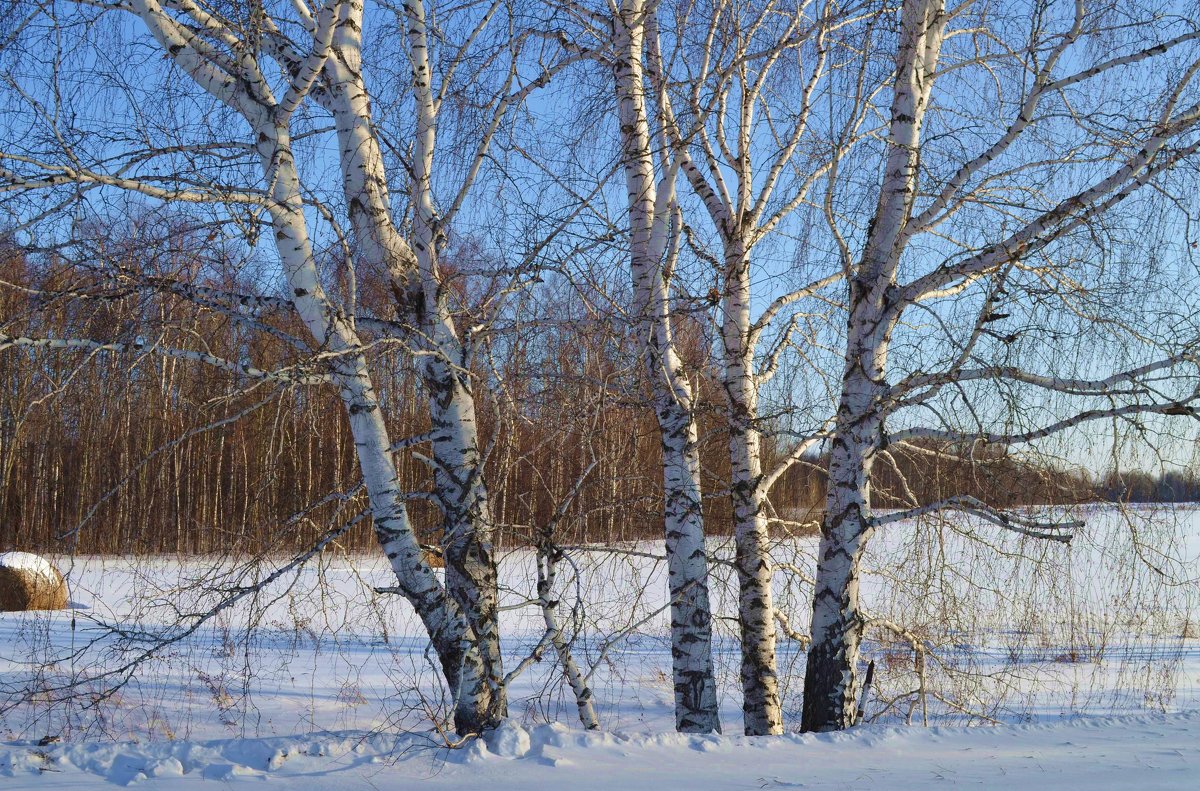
column 450, row 620
column 762, row 714
column 830, row 689
column 459, row 486
column 651, row 209
column 829, row 680
column 452, row 634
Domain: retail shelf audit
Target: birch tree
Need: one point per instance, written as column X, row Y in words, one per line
column 265, row 69
column 654, row 228
column 1022, row 143
column 744, row 141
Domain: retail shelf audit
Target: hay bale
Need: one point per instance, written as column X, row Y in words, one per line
column 30, row 582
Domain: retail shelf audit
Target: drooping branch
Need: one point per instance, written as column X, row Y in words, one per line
column 290, row 375
column 1049, row 531
column 1184, row 407
column 1124, row 383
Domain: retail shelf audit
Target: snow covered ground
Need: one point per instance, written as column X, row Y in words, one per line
column 1088, row 656
column 1155, row 752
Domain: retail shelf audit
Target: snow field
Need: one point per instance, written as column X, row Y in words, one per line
column 318, row 679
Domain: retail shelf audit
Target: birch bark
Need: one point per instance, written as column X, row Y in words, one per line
column 738, row 213
column 650, row 210
column 761, row 710
column 877, row 297
column 451, row 633
column 830, row 690
column 459, row 485
column 462, row 626
column 548, row 558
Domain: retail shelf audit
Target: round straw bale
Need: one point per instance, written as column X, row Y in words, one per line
column 30, row 582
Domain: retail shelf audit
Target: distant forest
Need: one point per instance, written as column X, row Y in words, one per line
column 108, row 453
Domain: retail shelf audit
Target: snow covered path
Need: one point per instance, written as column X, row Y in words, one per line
column 1160, row 752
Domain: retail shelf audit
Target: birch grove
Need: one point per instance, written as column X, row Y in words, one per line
column 256, row 66
column 646, row 260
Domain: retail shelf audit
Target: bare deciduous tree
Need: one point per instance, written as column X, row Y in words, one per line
column 1012, row 165
column 742, row 138
column 265, row 69
column 654, row 234
column 971, row 229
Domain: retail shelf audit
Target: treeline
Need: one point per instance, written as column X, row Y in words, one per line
column 106, row 452
column 1172, row 486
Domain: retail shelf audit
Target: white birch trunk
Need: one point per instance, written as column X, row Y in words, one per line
column 762, row 713
column 240, row 85
column 687, row 562
column 458, row 474
column 452, row 635
column 364, row 176
column 830, row 688
column 459, row 485
column 467, row 524
column 548, row 558
column 830, row 701
column 737, row 227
